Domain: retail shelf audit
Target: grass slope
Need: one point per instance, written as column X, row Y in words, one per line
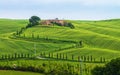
column 100, row 38
column 4, row 72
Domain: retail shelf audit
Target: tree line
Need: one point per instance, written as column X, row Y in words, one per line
column 15, row 56
column 63, row 56
column 111, row 68
column 58, row 56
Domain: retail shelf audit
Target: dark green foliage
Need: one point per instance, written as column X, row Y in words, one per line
column 94, row 59
column 28, row 55
column 15, row 55
column 52, row 55
column 49, row 55
column 32, row 35
column 22, row 55
column 81, row 43
column 9, row 56
column 24, row 35
column 12, row 56
column 70, row 25
column 41, row 54
column 34, row 20
column 60, row 55
column 45, row 68
column 5, row 56
column 66, row 25
column 66, row 57
column 101, row 59
column 72, row 57
column 91, row 58
column 88, row 58
column 58, row 24
column 104, row 60
column 44, row 54
column 57, row 55
column 63, row 56
column 98, row 71
column 28, row 25
column 18, row 55
column 69, row 70
column 84, row 59
column 38, row 36
column 78, row 58
column 111, row 68
column 18, row 32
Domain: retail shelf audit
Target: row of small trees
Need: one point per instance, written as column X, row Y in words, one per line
column 52, row 71
column 59, row 56
column 33, row 36
column 34, row 20
column 18, row 32
column 111, row 68
column 73, row 57
column 15, row 56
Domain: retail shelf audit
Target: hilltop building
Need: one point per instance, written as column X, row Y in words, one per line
column 52, row 21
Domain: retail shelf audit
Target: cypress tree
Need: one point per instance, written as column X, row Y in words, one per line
column 32, row 35
column 91, row 58
column 72, row 57
column 101, row 59
column 60, row 55
column 57, row 55
column 66, row 57
column 88, row 58
column 84, row 58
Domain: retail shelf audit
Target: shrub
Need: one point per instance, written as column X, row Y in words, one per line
column 70, row 25
column 111, row 68
column 97, row 70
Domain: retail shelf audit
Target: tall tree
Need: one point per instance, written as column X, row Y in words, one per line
column 111, row 68
column 34, row 20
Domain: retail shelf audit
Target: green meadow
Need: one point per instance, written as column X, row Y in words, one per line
column 99, row 39
column 4, row 72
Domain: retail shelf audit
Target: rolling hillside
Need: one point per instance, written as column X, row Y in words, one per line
column 100, row 38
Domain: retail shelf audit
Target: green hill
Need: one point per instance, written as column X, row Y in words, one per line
column 100, row 38
column 3, row 72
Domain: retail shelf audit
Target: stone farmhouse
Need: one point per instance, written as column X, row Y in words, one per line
column 50, row 22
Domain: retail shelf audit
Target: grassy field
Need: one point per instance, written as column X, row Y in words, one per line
column 7, row 27
column 99, row 38
column 4, row 72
